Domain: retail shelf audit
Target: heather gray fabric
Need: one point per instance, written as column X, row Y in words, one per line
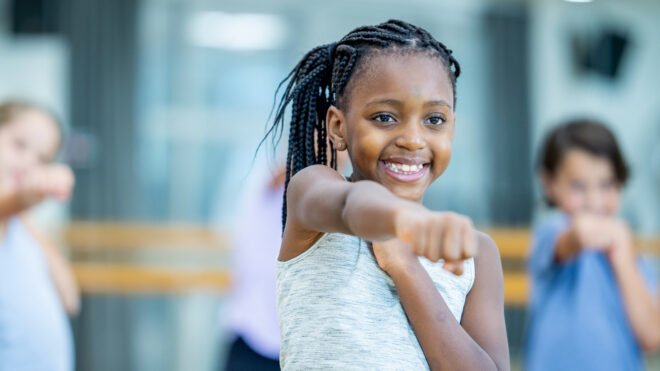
column 339, row 311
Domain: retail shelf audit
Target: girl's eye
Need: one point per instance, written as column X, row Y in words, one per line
column 578, row 186
column 383, row 117
column 436, row 120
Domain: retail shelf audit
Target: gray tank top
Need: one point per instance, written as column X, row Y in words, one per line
column 339, row 311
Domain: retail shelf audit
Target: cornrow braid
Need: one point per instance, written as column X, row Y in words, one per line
column 321, row 78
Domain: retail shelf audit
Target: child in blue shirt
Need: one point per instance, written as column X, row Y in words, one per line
column 594, row 304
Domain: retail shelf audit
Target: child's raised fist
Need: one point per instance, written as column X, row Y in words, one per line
column 53, row 180
column 593, row 231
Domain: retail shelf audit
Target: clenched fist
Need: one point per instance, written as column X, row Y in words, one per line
column 53, row 180
column 433, row 235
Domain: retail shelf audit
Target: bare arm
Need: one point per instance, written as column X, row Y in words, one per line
column 479, row 342
column 60, row 270
column 13, row 203
column 483, row 315
column 54, row 180
column 642, row 309
column 319, row 200
column 567, row 246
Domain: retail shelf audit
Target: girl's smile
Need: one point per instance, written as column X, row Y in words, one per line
column 404, row 169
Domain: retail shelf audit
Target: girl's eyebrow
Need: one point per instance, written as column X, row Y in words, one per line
column 437, row 103
column 399, row 103
column 393, row 102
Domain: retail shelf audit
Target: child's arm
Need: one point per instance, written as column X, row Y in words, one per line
column 479, row 342
column 12, row 203
column 642, row 309
column 320, row 201
column 50, row 180
column 60, row 270
column 585, row 231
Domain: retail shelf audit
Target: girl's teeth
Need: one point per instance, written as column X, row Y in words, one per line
column 404, row 168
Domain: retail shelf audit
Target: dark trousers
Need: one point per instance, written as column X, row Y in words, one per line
column 242, row 358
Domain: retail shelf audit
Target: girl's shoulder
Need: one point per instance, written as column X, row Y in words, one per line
column 488, row 283
column 487, row 261
column 487, row 248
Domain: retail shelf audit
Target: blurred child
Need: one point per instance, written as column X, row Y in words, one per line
column 592, row 306
column 252, row 312
column 37, row 287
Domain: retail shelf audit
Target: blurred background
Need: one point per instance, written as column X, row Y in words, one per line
column 165, row 101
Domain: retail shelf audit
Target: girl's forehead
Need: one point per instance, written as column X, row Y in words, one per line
column 409, row 74
column 582, row 163
column 36, row 122
column 37, row 127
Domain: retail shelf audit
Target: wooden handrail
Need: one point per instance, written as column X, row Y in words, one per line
column 100, row 278
column 139, row 235
column 516, row 288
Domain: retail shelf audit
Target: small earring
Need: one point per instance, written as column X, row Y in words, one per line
column 340, row 145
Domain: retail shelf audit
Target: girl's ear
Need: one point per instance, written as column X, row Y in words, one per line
column 336, row 128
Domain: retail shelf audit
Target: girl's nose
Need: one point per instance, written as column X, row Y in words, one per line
column 411, row 139
column 594, row 201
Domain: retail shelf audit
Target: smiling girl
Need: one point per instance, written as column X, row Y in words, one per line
column 367, row 277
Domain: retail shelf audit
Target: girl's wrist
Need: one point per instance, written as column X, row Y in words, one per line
column 622, row 252
column 393, row 255
column 403, row 214
column 401, row 268
column 621, row 261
